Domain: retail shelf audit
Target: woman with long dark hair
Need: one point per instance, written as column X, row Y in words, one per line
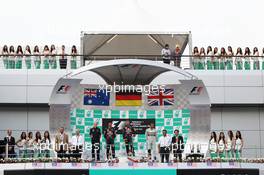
column 216, row 59
column 229, row 58
column 255, row 58
column 221, row 145
column 46, row 140
column 209, row 58
column 247, row 58
column 222, row 58
column 5, row 56
column 230, row 144
column 213, row 145
column 239, row 61
column 19, row 56
column 201, row 63
column 53, row 58
column 73, row 57
column 21, row 144
column 195, row 58
column 46, row 54
column 37, row 58
column 28, row 57
column 239, row 143
column 37, row 143
column 11, row 60
column 30, row 145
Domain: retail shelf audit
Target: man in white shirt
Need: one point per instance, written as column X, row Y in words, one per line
column 164, row 145
column 151, row 137
column 166, row 54
column 77, row 143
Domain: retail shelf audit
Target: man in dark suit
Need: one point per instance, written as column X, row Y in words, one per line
column 10, row 142
column 178, row 145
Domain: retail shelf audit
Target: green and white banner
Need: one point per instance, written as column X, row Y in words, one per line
column 170, row 120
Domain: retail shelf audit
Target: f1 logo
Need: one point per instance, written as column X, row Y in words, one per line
column 63, row 89
column 196, row 90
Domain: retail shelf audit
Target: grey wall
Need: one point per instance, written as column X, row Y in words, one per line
column 224, row 87
column 23, row 119
column 248, row 119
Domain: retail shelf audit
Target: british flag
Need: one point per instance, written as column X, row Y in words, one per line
column 90, row 92
column 161, row 97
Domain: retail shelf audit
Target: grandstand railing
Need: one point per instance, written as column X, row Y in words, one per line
column 214, row 62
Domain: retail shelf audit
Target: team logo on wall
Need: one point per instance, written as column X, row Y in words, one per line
column 161, row 97
column 128, row 98
column 97, row 97
column 196, row 90
column 63, row 89
column 139, row 125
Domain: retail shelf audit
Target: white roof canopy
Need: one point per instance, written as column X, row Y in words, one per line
column 130, row 71
column 130, row 43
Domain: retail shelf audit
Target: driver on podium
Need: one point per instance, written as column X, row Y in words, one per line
column 151, row 137
column 109, row 135
column 128, row 134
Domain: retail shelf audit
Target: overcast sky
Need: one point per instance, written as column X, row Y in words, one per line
column 212, row 22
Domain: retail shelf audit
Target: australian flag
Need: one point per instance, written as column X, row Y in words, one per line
column 98, row 97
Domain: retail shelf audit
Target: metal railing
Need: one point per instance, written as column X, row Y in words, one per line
column 68, row 61
column 39, row 61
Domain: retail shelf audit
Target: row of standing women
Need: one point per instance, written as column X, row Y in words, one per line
column 212, row 59
column 226, row 147
column 27, row 145
column 13, row 59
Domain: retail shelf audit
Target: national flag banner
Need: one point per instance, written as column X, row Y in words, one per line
column 161, row 97
column 129, row 98
column 97, row 97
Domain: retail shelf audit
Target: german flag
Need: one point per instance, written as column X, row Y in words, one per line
column 128, row 98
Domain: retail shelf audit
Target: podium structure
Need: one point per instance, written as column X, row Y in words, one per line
column 103, row 92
